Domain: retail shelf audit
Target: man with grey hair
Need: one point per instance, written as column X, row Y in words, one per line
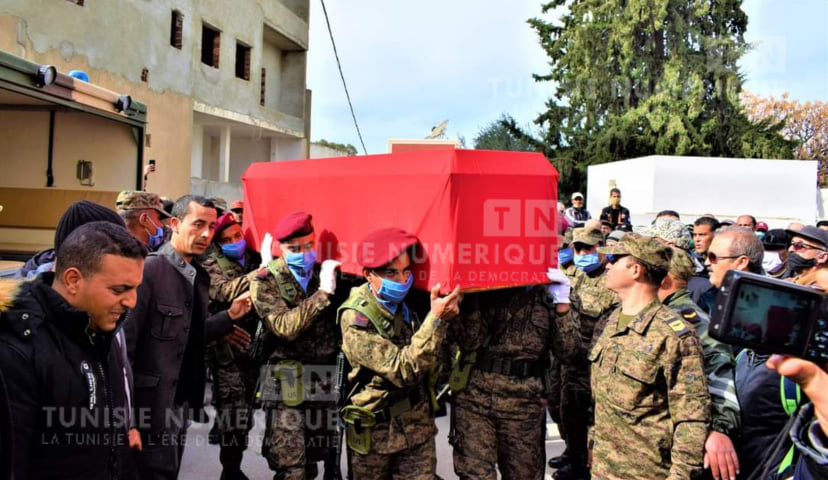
column 734, row 248
column 762, row 415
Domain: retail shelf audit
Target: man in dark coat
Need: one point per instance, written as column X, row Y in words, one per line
column 166, row 335
column 61, row 362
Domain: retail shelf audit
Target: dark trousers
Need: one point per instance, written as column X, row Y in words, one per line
column 162, row 452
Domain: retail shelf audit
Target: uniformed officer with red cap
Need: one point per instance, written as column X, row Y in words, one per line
column 293, row 298
column 390, row 429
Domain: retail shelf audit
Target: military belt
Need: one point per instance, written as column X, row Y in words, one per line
column 507, row 366
column 406, row 404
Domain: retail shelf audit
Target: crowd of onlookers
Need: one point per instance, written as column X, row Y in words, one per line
column 106, row 346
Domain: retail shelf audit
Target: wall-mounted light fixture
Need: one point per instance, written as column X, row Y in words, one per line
column 130, row 107
column 123, row 103
column 45, row 76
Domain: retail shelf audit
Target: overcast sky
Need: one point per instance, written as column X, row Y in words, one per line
column 410, row 65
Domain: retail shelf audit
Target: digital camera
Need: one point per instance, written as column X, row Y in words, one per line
column 771, row 316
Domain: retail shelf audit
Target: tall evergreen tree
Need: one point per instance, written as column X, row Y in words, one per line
column 495, row 136
column 643, row 77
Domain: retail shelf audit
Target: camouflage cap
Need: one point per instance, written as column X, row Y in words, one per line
column 681, row 265
column 586, row 236
column 671, row 231
column 616, row 235
column 646, row 249
column 132, row 200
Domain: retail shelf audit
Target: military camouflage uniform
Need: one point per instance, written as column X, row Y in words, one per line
column 553, row 394
column 719, row 364
column 652, row 406
column 300, row 327
column 388, row 378
column 234, row 373
column 591, row 302
column 499, row 417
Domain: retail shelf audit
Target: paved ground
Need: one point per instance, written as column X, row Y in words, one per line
column 201, row 459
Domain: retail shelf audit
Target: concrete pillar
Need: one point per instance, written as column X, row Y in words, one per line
column 274, row 149
column 224, row 154
column 197, row 157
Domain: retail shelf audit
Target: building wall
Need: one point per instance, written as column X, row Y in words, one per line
column 115, row 40
column 321, row 151
column 244, row 151
column 24, row 136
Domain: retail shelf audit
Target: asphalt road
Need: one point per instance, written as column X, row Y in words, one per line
column 201, row 459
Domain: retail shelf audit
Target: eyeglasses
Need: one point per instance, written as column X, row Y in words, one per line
column 714, row 259
column 800, row 246
column 614, row 257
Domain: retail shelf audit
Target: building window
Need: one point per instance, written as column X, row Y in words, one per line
column 176, row 29
column 262, row 92
column 242, row 61
column 210, row 46
column 76, row 2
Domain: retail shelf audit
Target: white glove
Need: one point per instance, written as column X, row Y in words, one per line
column 327, row 276
column 267, row 252
column 560, row 286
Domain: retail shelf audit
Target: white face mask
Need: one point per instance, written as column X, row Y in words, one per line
column 771, row 261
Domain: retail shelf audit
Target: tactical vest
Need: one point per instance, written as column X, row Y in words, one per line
column 371, row 311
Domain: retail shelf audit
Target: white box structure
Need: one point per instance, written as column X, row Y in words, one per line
column 776, row 192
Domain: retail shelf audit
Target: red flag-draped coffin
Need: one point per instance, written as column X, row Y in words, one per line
column 485, row 219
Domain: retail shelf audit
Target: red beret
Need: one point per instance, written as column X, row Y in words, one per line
column 237, row 205
column 224, row 221
column 384, row 246
column 296, row 224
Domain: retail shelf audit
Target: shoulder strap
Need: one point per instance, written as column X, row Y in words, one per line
column 287, row 289
column 223, row 262
column 370, row 310
column 790, row 395
column 679, row 327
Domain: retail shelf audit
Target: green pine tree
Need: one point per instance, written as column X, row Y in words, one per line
column 643, row 77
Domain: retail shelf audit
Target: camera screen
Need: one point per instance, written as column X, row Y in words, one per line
column 763, row 315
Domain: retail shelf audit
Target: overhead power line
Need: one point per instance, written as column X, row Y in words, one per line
column 342, row 76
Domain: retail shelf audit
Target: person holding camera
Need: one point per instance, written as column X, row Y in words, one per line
column 765, row 398
column 810, row 430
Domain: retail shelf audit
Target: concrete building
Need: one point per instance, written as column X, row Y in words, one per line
column 223, row 83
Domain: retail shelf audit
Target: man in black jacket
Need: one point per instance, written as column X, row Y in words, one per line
column 61, row 364
column 614, row 213
column 166, row 335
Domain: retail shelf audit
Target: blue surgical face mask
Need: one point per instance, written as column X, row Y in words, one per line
column 564, row 256
column 235, row 250
column 301, row 266
column 394, row 292
column 301, row 261
column 155, row 241
column 585, row 261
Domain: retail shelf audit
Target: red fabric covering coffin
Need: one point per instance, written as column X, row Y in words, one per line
column 485, row 219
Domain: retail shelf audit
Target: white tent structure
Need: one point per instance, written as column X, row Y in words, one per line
column 774, row 191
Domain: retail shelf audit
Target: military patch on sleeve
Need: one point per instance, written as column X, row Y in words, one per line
column 361, row 321
column 690, row 315
column 679, row 327
column 262, row 274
